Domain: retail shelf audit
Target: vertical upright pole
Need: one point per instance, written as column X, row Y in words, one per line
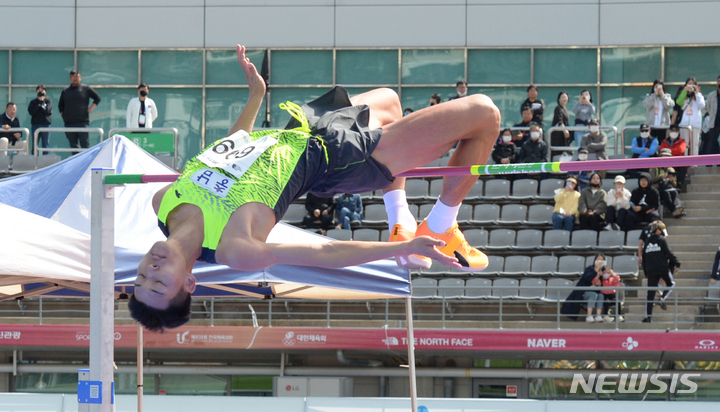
column 102, row 279
column 139, row 367
column 411, row 353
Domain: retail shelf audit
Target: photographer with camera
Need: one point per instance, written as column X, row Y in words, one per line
column 691, row 103
column 40, row 110
column 659, row 105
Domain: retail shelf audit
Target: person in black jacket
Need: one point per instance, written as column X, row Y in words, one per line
column 505, row 150
column 75, row 109
column 658, row 262
column 536, row 104
column 587, row 293
column 40, row 110
column 644, row 202
column 534, row 150
column 321, row 212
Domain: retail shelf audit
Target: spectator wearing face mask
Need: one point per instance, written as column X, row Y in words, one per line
column 566, row 206
column 691, row 102
column 587, row 292
column 534, row 150
column 461, row 88
column 584, row 111
column 595, row 141
column 607, row 280
column 407, row 111
column 505, row 150
column 583, row 177
column 435, row 98
column 659, row 105
column 592, row 205
column 618, row 204
column 141, row 111
column 644, row 145
column 677, row 147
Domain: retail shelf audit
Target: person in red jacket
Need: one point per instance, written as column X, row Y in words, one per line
column 678, row 147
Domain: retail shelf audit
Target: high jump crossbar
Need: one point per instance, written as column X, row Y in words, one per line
column 517, row 168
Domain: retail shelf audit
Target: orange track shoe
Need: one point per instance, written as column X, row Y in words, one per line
column 400, row 234
column 471, row 259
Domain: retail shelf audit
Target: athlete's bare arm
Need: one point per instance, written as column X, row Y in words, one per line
column 256, row 86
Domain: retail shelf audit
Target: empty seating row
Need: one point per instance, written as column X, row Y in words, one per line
column 22, row 163
column 533, row 239
column 552, row 290
column 626, row 266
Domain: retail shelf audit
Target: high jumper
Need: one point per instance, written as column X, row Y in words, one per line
column 224, row 204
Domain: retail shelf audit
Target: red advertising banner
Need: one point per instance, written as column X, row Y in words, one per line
column 244, row 337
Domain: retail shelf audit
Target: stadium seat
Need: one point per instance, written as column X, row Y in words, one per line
column 339, row 234
column 611, row 240
column 436, row 269
column 524, row 189
column 476, row 237
column 375, row 215
column 366, row 196
column 47, row 160
column 22, row 163
column 632, row 240
column 543, row 266
column 631, row 184
column 608, row 184
column 505, row 288
column 384, row 235
column 475, row 193
column 513, row 214
column 516, row 265
column 416, row 189
column 436, row 189
column 548, row 187
column 554, row 295
column 556, row 240
column 424, row 288
column 486, row 214
column 583, row 240
column 294, row 214
column 464, row 216
column 501, row 239
column 4, row 164
column 367, row 235
column 451, row 288
column 539, row 215
column 713, row 294
column 618, row 171
column 536, row 291
column 498, row 189
column 495, row 266
column 478, row 288
column 626, row 266
column 570, row 266
column 528, row 239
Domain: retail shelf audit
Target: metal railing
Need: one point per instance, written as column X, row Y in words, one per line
column 26, row 135
column 63, row 129
column 690, row 143
column 172, row 130
column 439, row 309
column 577, row 128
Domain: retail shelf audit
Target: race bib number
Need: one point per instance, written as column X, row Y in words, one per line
column 235, row 154
column 213, row 181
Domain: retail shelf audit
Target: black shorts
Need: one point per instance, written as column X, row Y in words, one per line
column 343, row 131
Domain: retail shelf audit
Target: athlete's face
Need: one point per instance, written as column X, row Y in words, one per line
column 161, row 275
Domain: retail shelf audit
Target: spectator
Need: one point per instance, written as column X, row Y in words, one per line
column 644, row 202
column 534, row 150
column 659, row 105
column 595, row 141
column 586, row 292
column 658, row 263
column 644, row 235
column 504, row 151
column 583, row 177
column 710, row 143
column 9, row 121
column 676, row 147
column 618, row 204
column 584, row 111
column 141, row 110
column 527, row 115
column 566, row 206
column 350, row 211
column 536, row 104
column 644, row 145
column 715, row 274
column 592, row 205
column 435, row 98
column 561, row 118
column 407, row 111
column 691, row 102
column 40, row 110
column 609, row 279
column 462, row 88
column 320, row 212
column 669, row 193
column 75, row 109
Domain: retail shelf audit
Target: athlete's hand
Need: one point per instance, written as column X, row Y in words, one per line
column 254, row 80
column 427, row 246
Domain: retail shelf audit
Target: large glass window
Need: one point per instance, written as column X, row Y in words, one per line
column 109, row 67
column 417, row 98
column 223, row 67
column 222, row 108
column 630, row 64
column 4, row 69
column 172, row 67
column 367, row 67
column 702, row 63
column 301, row 67
column 433, row 66
column 565, row 66
column 181, row 108
column 507, row 66
column 508, row 100
column 298, row 95
column 623, row 106
column 33, row 67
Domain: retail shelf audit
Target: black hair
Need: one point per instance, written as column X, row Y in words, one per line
column 142, row 85
column 589, row 94
column 655, row 83
column 598, row 175
column 436, row 96
column 560, row 94
column 531, row 124
column 532, row 86
column 502, row 132
column 40, row 86
column 461, row 82
column 157, row 320
column 408, row 110
column 74, row 72
column 526, row 107
column 9, row 104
